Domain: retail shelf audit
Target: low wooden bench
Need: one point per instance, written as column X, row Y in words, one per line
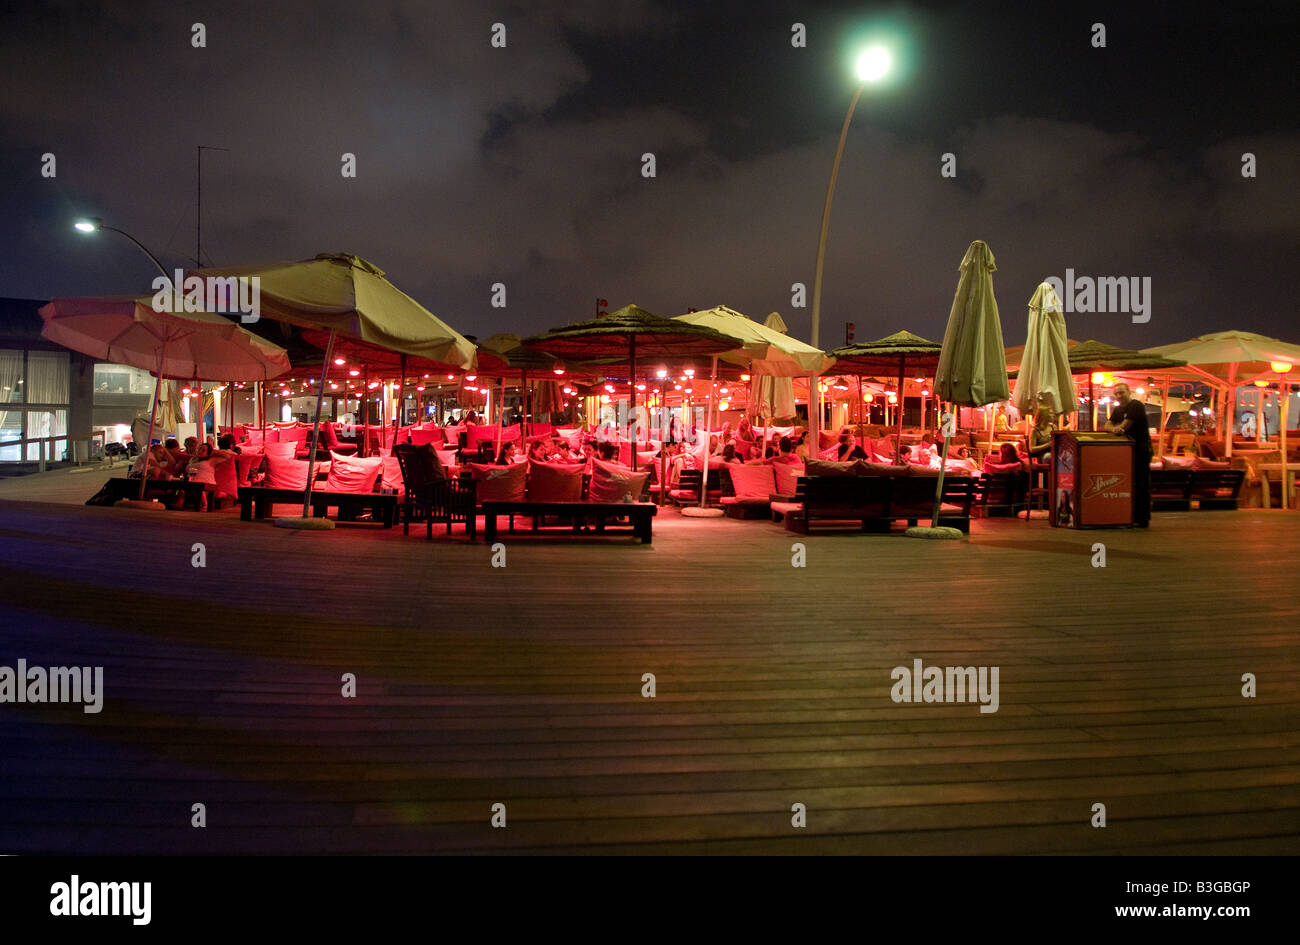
column 639, row 514
column 164, row 489
column 1216, row 488
column 879, row 501
column 1176, row 489
column 1171, row 490
column 258, row 500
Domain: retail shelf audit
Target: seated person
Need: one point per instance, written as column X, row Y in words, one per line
column 607, row 450
column 539, row 451
column 848, row 449
column 785, row 453
column 745, row 431
column 1005, row 457
column 729, row 454
column 226, row 443
column 1040, row 437
column 202, row 468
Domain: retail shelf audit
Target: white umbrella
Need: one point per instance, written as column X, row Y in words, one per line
column 169, row 344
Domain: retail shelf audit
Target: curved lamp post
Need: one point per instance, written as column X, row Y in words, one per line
column 92, row 225
column 872, row 66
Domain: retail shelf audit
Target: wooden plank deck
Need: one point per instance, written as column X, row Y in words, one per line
column 521, row 685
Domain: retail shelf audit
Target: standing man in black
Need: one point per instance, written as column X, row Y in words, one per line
column 1129, row 418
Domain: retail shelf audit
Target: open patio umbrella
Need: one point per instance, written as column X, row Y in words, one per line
column 178, row 345
column 972, row 369
column 1229, row 359
column 1090, row 356
column 898, row 355
column 1045, row 374
column 631, row 332
column 766, row 350
column 349, row 297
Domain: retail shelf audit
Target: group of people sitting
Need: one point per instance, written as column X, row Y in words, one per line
column 196, row 462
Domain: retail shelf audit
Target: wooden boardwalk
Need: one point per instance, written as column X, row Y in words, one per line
column 522, row 686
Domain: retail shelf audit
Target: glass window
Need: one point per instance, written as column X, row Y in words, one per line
column 47, row 377
column 11, row 376
column 43, row 423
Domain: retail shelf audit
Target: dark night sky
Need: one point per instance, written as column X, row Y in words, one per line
column 522, row 165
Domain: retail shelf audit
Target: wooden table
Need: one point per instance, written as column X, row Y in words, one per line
column 1286, row 472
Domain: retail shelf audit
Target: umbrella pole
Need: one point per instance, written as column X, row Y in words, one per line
column 501, row 420
column 898, row 446
column 631, row 386
column 153, row 416
column 315, row 430
column 365, row 405
column 708, row 436
column 1092, row 407
column 1230, row 409
column 400, row 414
column 938, row 486
column 1164, row 412
column 526, row 424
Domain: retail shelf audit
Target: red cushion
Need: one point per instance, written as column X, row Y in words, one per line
column 247, row 461
column 554, row 482
column 227, row 476
column 500, row 483
column 787, row 477
column 611, row 482
column 756, row 481
column 285, row 472
column 421, row 437
column 353, row 474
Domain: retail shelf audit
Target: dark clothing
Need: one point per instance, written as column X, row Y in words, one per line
column 1137, row 431
column 845, row 454
column 1140, row 434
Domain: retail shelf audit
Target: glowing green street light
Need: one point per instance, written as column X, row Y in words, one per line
column 872, row 66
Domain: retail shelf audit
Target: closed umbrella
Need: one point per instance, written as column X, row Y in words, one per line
column 1045, row 375
column 169, row 344
column 349, row 297
column 972, row 369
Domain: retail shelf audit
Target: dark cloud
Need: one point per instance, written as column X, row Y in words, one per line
column 522, row 165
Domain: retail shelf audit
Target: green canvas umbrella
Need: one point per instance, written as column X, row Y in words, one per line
column 972, row 370
column 349, row 297
column 1045, row 375
column 630, row 332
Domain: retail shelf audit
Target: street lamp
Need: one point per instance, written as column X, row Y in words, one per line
column 93, row 224
column 872, row 66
